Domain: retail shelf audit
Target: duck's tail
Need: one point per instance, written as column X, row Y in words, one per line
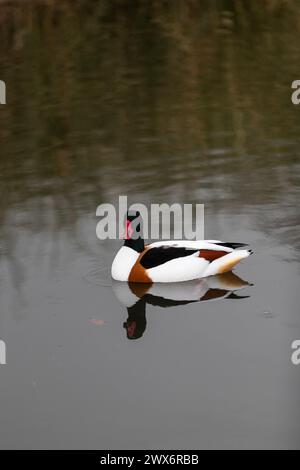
column 227, row 262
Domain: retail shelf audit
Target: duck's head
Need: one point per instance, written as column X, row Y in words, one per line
column 133, row 231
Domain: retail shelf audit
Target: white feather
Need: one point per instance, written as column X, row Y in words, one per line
column 216, row 266
column 193, row 244
column 123, row 263
column 179, row 269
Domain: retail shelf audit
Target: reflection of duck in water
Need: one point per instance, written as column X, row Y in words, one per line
column 135, row 296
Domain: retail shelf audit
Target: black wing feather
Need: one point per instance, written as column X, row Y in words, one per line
column 162, row 254
column 232, row 245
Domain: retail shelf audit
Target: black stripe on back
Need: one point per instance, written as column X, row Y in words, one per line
column 232, row 245
column 162, row 254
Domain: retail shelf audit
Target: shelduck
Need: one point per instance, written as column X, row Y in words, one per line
column 172, row 260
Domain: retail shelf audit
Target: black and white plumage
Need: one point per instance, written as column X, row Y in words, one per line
column 173, row 260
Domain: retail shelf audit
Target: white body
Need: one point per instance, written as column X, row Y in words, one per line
column 179, row 269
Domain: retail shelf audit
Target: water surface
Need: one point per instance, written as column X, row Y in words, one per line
column 163, row 102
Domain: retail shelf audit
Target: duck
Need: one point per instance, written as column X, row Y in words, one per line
column 135, row 296
column 171, row 261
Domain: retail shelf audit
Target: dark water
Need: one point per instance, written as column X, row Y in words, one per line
column 163, row 102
